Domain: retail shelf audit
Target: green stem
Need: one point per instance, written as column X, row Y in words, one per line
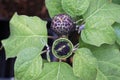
column 47, row 51
column 48, row 57
column 76, row 47
column 79, row 21
column 43, row 51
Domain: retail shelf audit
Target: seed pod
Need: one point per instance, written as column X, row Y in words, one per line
column 62, row 24
column 62, row 48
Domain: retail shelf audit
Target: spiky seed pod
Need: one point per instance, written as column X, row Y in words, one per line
column 62, row 24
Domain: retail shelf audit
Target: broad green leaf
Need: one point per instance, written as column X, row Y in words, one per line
column 75, row 7
column 25, row 32
column 54, row 7
column 57, row 71
column 101, row 14
column 108, row 57
column 98, row 35
column 116, row 27
column 28, row 65
column 84, row 64
column 107, row 53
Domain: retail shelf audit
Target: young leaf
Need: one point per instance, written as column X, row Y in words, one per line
column 54, row 7
column 57, row 71
column 75, row 7
column 116, row 27
column 84, row 64
column 28, row 65
column 101, row 13
column 25, row 32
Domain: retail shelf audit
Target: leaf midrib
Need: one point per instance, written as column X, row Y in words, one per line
column 58, row 72
column 94, row 12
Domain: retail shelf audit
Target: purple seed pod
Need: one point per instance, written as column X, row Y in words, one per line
column 62, row 24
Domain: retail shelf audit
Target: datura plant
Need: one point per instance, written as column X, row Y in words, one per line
column 96, row 56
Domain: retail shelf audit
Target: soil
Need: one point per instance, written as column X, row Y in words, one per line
column 26, row 7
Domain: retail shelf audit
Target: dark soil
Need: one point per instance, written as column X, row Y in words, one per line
column 26, row 7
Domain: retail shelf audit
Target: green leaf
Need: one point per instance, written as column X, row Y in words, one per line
column 57, row 71
column 107, row 53
column 100, row 15
column 25, row 32
column 84, row 64
column 100, row 76
column 102, row 10
column 108, row 57
column 28, row 65
column 116, row 27
column 109, row 70
column 116, row 1
column 75, row 7
column 54, row 7
column 98, row 35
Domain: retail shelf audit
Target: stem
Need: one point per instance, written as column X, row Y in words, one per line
column 48, row 56
column 78, row 21
column 1, row 47
column 110, row 1
column 76, row 47
column 60, row 60
column 52, row 37
column 48, row 51
column 44, row 51
column 65, row 36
